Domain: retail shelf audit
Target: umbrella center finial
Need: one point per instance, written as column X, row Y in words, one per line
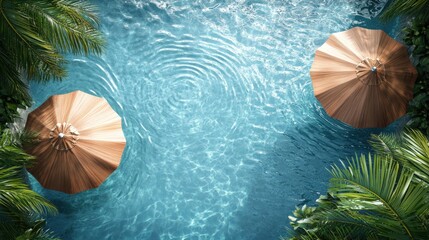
column 370, row 71
column 64, row 136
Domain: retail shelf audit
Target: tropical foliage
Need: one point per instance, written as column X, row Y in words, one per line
column 410, row 149
column 20, row 207
column 406, row 8
column 381, row 196
column 417, row 36
column 33, row 36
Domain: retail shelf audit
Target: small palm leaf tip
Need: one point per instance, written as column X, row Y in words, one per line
column 38, row 32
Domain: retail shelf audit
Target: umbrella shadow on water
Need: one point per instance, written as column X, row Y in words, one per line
column 295, row 172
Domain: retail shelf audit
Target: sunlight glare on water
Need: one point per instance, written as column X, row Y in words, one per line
column 224, row 135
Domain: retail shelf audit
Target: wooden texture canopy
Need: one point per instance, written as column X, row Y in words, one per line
column 80, row 142
column 363, row 77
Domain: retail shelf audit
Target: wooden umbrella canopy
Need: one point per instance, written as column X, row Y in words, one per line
column 363, row 77
column 80, row 142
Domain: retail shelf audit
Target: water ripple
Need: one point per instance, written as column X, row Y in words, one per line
column 193, row 79
column 224, row 134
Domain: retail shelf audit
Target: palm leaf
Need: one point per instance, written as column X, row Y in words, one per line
column 380, row 191
column 36, row 32
column 11, row 78
column 11, row 156
column 81, row 12
column 344, row 224
column 17, row 139
column 11, row 153
column 410, row 8
column 416, row 153
column 9, row 230
column 71, row 26
column 32, row 230
column 327, row 221
column 386, row 145
column 16, row 199
column 36, row 232
column 410, row 149
column 23, row 41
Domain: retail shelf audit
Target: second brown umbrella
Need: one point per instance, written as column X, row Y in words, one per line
column 80, row 142
column 363, row 77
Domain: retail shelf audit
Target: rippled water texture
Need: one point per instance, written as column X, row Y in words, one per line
column 224, row 135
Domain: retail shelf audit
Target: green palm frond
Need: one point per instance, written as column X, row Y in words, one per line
column 36, row 232
column 344, row 224
column 18, row 139
column 386, row 145
column 19, row 205
column 36, row 55
column 11, row 156
column 380, row 191
column 384, row 196
column 416, row 153
column 17, row 200
column 11, row 81
column 9, row 230
column 32, row 230
column 410, row 149
column 81, row 12
column 71, row 26
column 410, row 8
column 307, row 236
column 327, row 221
column 11, row 153
column 330, row 223
column 38, row 31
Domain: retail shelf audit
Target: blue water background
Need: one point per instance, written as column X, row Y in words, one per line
column 224, row 135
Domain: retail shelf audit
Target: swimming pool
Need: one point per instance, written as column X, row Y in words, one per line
column 224, row 135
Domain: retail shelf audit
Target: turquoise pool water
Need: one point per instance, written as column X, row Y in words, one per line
column 224, row 135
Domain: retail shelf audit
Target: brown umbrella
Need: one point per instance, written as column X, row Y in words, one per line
column 81, row 142
column 363, row 77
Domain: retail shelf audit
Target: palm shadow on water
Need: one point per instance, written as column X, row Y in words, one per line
column 295, row 172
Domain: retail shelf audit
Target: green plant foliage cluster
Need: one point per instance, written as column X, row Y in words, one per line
column 380, row 196
column 417, row 36
column 34, row 35
column 386, row 195
column 409, row 8
column 21, row 209
column 9, row 105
